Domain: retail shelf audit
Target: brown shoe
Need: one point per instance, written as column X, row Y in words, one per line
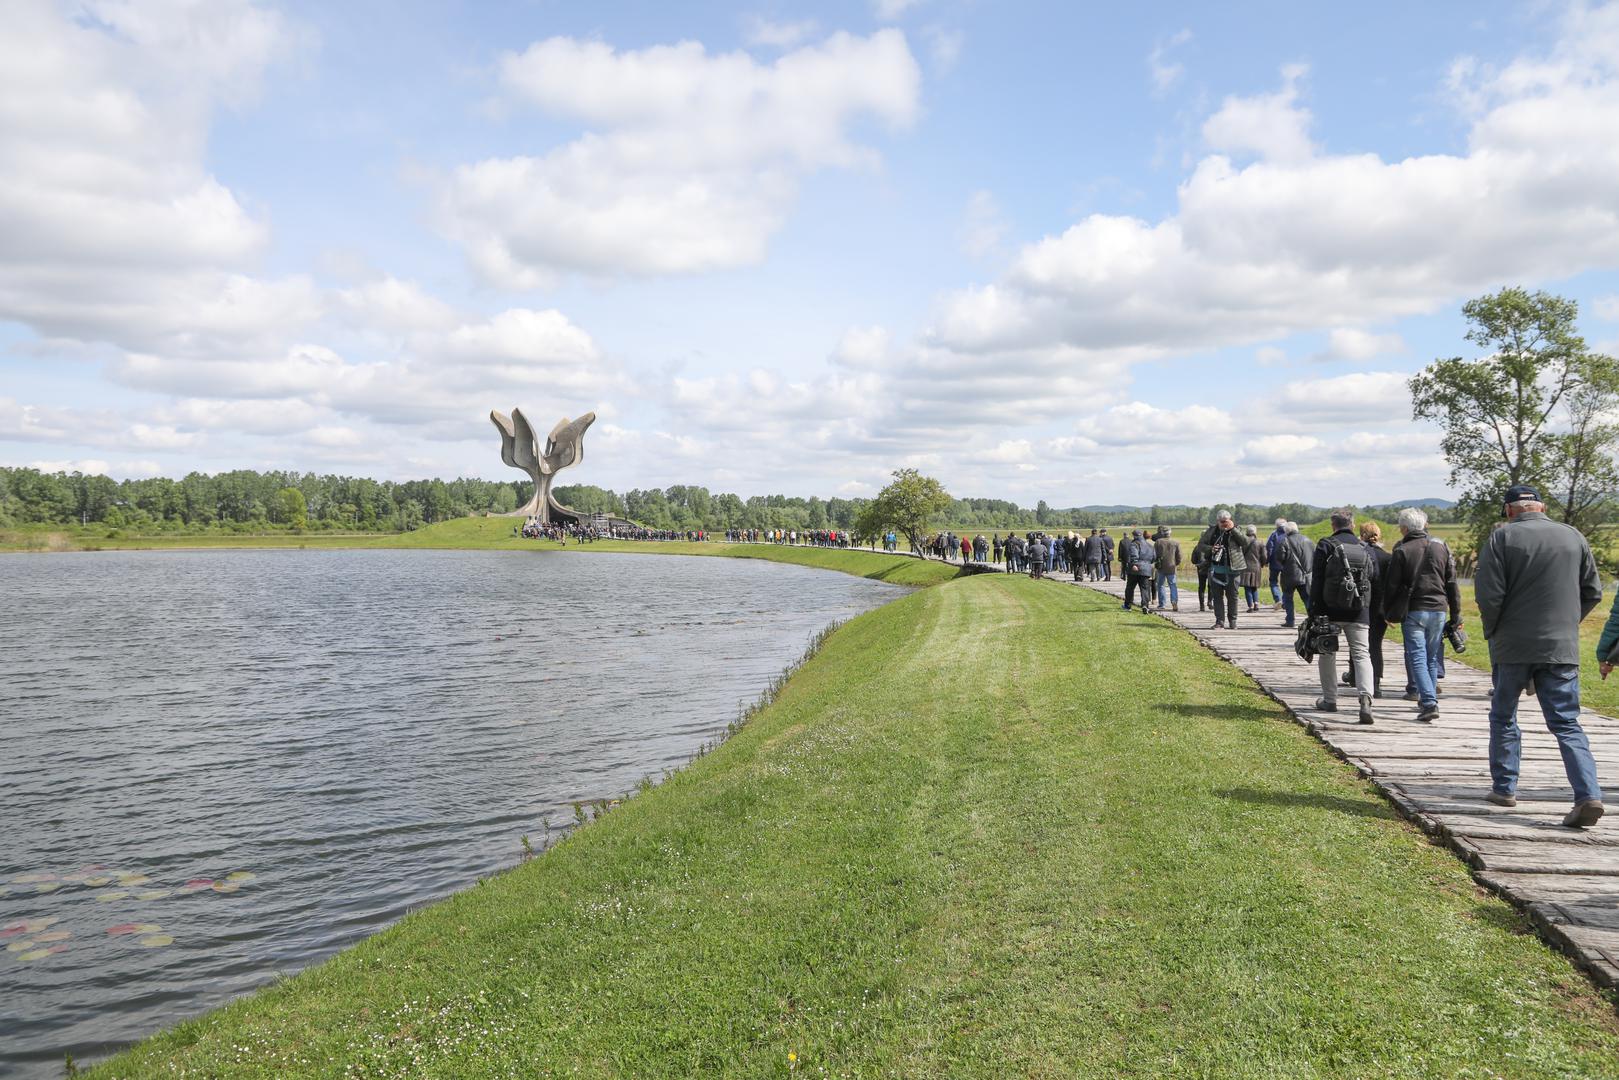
column 1584, row 815
column 1501, row 798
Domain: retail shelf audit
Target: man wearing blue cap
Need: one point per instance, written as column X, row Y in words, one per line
column 1536, row 581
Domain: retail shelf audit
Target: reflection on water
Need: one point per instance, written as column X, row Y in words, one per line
column 220, row 766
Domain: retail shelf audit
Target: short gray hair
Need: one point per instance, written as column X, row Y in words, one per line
column 1343, row 519
column 1223, row 515
column 1413, row 520
column 1291, row 526
column 1252, row 531
column 1281, row 523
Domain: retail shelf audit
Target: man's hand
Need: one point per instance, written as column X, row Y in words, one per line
column 1604, row 668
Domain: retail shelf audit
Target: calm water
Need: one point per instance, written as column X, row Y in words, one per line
column 218, row 766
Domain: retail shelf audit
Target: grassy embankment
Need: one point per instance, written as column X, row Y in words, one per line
column 953, row 846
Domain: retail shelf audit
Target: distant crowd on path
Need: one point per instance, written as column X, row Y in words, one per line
column 1536, row 581
column 534, row 529
column 791, row 537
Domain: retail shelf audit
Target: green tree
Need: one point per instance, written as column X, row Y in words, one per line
column 908, row 504
column 1528, row 411
column 290, row 508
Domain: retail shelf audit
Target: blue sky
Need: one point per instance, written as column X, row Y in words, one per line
column 1084, row 253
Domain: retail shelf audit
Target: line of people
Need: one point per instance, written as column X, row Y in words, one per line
column 1536, row 581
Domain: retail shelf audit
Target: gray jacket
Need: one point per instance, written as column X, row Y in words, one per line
column 1536, row 580
column 1296, row 562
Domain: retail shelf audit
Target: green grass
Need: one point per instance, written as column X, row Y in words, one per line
column 994, row 828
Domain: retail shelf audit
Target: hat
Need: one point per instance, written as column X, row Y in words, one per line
column 1520, row 493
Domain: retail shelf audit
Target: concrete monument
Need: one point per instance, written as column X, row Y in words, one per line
column 520, row 449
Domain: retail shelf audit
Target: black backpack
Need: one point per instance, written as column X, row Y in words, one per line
column 1348, row 582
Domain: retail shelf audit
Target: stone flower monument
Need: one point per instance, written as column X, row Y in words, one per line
column 520, row 449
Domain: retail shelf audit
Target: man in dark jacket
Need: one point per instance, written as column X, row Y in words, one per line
column 1224, row 554
column 1134, row 555
column 1295, row 554
column 1107, row 556
column 1420, row 591
column 1341, row 590
column 1167, row 556
column 1536, row 580
column 1273, row 546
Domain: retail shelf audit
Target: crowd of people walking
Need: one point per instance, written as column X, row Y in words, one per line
column 1536, row 580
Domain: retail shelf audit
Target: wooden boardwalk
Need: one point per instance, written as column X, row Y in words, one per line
column 1437, row 774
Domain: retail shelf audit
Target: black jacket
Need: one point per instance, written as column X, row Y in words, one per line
column 1318, row 581
column 1421, row 577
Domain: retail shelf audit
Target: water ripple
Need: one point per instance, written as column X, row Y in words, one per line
column 362, row 732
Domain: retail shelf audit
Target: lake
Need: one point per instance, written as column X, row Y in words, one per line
column 220, row 766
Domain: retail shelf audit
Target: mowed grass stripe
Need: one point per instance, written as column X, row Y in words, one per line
column 993, row 828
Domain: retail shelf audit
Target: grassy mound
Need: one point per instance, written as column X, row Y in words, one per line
column 994, row 828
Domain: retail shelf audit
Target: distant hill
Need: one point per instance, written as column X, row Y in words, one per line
column 1131, row 509
column 1442, row 504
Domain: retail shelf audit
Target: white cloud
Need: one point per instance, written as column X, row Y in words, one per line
column 1008, row 452
column 1166, row 72
column 88, row 466
column 114, row 229
column 1364, row 396
column 759, row 31
column 983, row 225
column 1270, row 356
column 1305, row 240
column 395, row 307
column 1606, row 307
column 1138, row 424
column 1271, row 126
column 696, row 161
column 862, row 347
column 334, row 436
column 162, row 437
column 1349, row 343
column 890, row 10
column 1278, row 449
column 944, row 47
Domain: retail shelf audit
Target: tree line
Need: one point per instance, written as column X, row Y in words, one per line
column 243, row 500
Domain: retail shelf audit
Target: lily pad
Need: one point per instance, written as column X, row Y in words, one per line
column 153, row 894
column 32, row 879
column 240, row 875
column 110, row 895
column 20, row 946
column 47, row 886
column 155, row 941
column 133, row 879
column 198, row 883
column 98, row 881
column 226, row 886
column 36, row 954
column 53, row 935
column 133, row 928
column 27, row 926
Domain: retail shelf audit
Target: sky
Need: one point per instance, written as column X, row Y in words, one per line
column 1085, row 253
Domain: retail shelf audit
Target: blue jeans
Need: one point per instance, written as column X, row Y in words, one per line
column 1287, row 597
column 1558, row 688
column 1174, row 587
column 1424, row 636
column 1275, row 586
